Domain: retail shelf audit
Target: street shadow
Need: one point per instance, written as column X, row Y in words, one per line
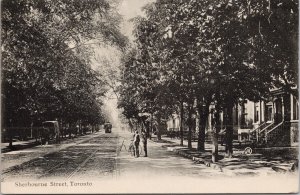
column 162, row 141
column 17, row 147
column 249, row 163
column 283, row 154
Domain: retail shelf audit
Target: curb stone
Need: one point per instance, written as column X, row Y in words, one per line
column 196, row 159
column 218, row 166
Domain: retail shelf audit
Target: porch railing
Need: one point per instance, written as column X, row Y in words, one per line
column 255, row 132
column 266, row 127
column 277, row 127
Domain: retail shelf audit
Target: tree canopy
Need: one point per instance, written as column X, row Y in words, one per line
column 46, row 66
column 214, row 52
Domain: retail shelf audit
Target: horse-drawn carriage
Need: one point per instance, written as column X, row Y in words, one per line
column 49, row 131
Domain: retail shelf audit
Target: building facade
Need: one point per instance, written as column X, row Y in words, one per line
column 272, row 122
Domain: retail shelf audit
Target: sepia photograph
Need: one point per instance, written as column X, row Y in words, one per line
column 149, row 96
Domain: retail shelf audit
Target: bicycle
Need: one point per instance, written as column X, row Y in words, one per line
column 246, row 147
column 247, row 151
column 130, row 149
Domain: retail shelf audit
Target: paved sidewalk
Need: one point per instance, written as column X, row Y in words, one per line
column 240, row 164
column 160, row 164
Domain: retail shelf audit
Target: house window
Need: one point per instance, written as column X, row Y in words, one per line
column 256, row 112
column 295, row 109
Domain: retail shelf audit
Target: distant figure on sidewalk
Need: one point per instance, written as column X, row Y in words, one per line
column 144, row 141
column 136, row 142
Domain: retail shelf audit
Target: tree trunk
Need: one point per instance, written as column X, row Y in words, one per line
column 229, row 130
column 10, row 141
column 130, row 125
column 181, row 123
column 158, row 127
column 203, row 111
column 80, row 128
column 286, row 119
column 215, row 133
column 146, row 125
column 214, row 150
column 190, row 127
column 10, row 131
column 139, row 125
column 158, row 135
column 151, row 127
column 142, row 125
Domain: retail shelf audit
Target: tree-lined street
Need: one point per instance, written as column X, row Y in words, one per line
column 101, row 156
column 211, row 84
column 196, row 59
column 48, row 50
column 97, row 157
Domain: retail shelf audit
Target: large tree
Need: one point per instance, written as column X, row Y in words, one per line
column 46, row 67
column 218, row 52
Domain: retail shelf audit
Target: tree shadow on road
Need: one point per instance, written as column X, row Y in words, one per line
column 22, row 146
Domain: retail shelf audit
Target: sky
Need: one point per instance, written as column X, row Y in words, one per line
column 128, row 9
